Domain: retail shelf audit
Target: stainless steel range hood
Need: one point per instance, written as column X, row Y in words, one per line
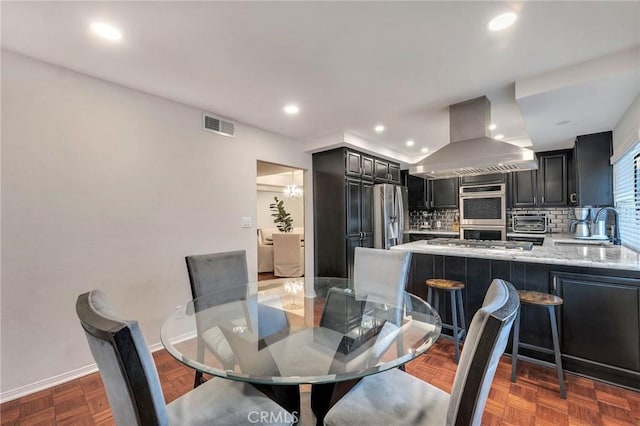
column 471, row 150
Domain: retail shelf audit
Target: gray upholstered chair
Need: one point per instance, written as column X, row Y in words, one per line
column 133, row 387
column 213, row 272
column 379, row 278
column 397, row 398
column 380, row 275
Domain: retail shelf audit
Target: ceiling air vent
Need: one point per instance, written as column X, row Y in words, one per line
column 211, row 123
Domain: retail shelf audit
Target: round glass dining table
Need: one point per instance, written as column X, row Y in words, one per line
column 300, row 330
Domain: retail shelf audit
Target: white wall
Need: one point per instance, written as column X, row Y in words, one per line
column 627, row 131
column 294, row 206
column 106, row 187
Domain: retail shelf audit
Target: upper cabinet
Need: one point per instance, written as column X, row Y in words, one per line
column 359, row 165
column 553, row 179
column 444, row 193
column 386, row 172
column 417, row 190
column 593, row 171
column 523, row 188
column 545, row 187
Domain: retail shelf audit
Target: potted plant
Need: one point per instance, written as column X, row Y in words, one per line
column 282, row 219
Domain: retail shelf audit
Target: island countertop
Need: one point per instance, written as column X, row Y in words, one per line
column 610, row 257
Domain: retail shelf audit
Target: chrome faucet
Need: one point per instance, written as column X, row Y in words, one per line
column 615, row 238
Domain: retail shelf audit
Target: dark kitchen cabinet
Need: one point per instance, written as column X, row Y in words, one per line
column 417, row 190
column 593, row 171
column 394, row 174
column 343, row 182
column 359, row 203
column 598, row 323
column 524, row 188
column 553, row 177
column 359, row 165
column 600, row 319
column 386, row 172
column 444, row 193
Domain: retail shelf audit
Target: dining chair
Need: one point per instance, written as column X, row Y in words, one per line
column 214, row 272
column 379, row 278
column 397, row 398
column 133, row 387
column 288, row 255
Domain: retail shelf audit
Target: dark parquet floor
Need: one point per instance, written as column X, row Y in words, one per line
column 533, row 400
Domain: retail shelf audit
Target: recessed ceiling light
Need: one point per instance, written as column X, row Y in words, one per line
column 291, row 109
column 492, row 126
column 562, row 123
column 502, row 21
column 409, row 143
column 106, row 31
column 424, row 150
column 500, row 136
column 379, row 128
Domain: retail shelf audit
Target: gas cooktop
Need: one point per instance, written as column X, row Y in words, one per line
column 490, row 244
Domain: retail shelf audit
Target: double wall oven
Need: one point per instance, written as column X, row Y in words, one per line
column 483, row 212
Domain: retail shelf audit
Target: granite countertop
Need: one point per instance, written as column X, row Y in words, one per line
column 587, row 255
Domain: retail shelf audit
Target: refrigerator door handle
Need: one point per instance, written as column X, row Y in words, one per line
column 400, row 209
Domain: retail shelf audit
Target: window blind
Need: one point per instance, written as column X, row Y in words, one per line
column 626, row 192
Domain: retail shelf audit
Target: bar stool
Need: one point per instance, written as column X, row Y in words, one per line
column 549, row 301
column 455, row 289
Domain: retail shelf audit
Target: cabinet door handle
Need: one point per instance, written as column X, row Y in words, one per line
column 554, row 283
column 573, row 197
column 543, row 199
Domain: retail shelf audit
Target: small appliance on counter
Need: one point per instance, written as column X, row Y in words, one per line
column 580, row 227
column 530, row 223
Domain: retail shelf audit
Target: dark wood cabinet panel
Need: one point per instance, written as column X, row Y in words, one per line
column 394, row 173
column 524, row 188
column 353, row 165
column 366, row 211
column 381, row 171
column 367, row 167
column 599, row 319
column 444, row 193
column 417, row 190
column 593, row 172
column 354, row 207
column 553, row 179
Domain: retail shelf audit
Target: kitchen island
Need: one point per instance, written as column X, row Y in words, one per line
column 599, row 322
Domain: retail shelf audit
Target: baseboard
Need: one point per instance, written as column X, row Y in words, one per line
column 59, row 379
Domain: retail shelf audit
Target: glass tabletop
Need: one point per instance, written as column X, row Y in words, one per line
column 300, row 330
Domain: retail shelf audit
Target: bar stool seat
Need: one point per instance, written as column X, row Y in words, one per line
column 457, row 309
column 550, row 302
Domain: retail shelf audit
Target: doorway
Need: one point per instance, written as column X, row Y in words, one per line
column 284, row 183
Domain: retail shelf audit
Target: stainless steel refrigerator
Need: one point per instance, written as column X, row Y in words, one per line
column 390, row 215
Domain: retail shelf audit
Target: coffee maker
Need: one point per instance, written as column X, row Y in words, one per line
column 580, row 226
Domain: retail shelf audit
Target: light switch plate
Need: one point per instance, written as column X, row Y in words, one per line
column 246, row 222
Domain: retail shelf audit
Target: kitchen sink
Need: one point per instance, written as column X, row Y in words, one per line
column 583, row 243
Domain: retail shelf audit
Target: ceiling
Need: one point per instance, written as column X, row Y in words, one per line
column 352, row 65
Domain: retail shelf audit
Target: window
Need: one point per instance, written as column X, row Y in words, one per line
column 627, row 196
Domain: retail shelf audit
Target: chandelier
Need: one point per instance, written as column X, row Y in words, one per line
column 293, row 190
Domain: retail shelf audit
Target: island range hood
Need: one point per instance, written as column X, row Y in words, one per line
column 471, row 150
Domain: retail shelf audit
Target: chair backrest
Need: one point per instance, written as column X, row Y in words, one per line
column 288, row 258
column 125, row 363
column 484, row 345
column 218, row 271
column 381, row 275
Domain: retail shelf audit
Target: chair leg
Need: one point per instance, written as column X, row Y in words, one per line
column 454, row 317
column 514, row 350
column 198, row 379
column 436, row 300
column 429, row 296
column 463, row 324
column 556, row 351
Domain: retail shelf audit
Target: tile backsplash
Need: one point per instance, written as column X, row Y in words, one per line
column 417, row 218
